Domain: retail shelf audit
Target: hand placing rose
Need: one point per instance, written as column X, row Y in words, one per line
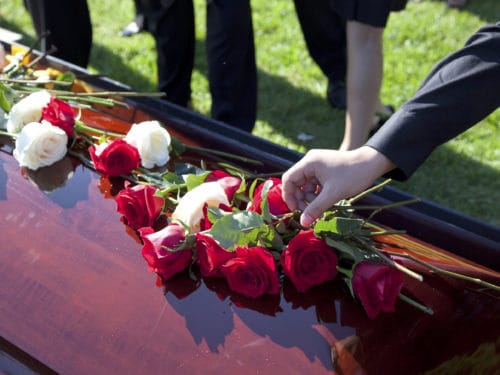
column 189, row 210
column 252, row 272
column 139, row 205
column 27, row 110
column 152, row 141
column 308, row 261
column 60, row 114
column 39, row 145
column 277, row 205
column 161, row 253
column 211, row 256
column 377, row 285
column 114, row 158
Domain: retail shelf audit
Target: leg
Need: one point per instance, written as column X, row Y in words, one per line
column 69, row 27
column 325, row 37
column 364, row 79
column 232, row 71
column 172, row 26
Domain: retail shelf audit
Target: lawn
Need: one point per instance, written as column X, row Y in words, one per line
column 463, row 174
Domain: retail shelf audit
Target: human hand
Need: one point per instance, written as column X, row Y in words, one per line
column 323, row 177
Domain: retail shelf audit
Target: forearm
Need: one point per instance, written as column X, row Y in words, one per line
column 460, row 91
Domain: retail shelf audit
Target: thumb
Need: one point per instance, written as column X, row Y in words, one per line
column 316, row 207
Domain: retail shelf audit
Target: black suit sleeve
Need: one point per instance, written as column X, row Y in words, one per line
column 460, row 91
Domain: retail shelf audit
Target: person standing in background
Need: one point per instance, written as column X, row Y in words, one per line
column 232, row 71
column 329, row 26
column 65, row 25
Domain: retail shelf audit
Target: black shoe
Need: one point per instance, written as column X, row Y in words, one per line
column 336, row 94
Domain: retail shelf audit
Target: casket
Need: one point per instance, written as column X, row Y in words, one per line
column 77, row 297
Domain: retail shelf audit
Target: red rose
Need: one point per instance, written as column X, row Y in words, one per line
column 252, row 272
column 159, row 250
column 229, row 183
column 139, row 205
column 211, row 256
column 377, row 286
column 308, row 261
column 115, row 157
column 60, row 114
column 277, row 205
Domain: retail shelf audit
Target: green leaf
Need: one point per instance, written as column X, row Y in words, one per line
column 176, row 147
column 7, row 97
column 194, row 180
column 338, row 225
column 240, row 228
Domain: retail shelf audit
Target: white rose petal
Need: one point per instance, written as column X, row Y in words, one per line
column 28, row 109
column 39, row 145
column 189, row 211
column 152, row 141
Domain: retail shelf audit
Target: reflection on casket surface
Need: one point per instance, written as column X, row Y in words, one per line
column 77, row 297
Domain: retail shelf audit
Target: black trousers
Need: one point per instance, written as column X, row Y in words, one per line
column 325, row 36
column 230, row 51
column 68, row 25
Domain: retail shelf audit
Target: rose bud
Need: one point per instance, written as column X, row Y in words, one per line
column 252, row 272
column 27, row 110
column 60, row 114
column 277, row 205
column 152, row 141
column 229, row 183
column 40, row 145
column 161, row 253
column 189, row 210
column 114, row 158
column 308, row 261
column 377, row 285
column 139, row 205
column 211, row 256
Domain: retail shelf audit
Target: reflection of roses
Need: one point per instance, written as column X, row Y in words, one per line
column 252, row 272
column 28, row 109
column 189, row 210
column 211, row 256
column 39, row 145
column 51, row 177
column 277, row 205
column 377, row 285
column 139, row 205
column 114, row 158
column 152, row 141
column 308, row 260
column 160, row 251
column 60, row 114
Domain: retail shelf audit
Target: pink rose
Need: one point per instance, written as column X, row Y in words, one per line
column 252, row 272
column 211, row 256
column 277, row 205
column 377, row 285
column 60, row 114
column 308, row 261
column 115, row 158
column 229, row 183
column 139, row 205
column 161, row 253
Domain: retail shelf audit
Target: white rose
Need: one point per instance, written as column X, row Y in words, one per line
column 28, row 109
column 40, row 144
column 189, row 211
column 152, row 141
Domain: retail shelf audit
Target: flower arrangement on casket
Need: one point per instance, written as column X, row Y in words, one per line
column 232, row 226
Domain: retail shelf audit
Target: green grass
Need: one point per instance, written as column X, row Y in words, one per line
column 463, row 175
